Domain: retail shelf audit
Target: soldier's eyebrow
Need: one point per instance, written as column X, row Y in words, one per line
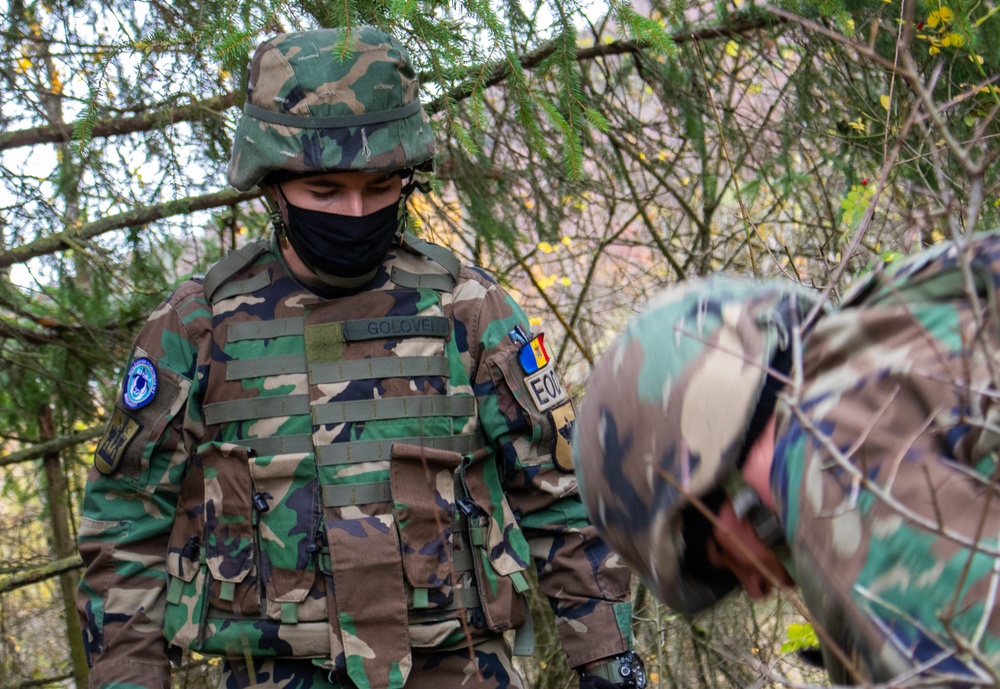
column 325, row 183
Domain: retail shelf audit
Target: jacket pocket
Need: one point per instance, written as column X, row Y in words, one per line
column 500, row 550
column 229, row 536
column 423, row 494
column 187, row 604
column 286, row 520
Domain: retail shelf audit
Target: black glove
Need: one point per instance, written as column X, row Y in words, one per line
column 624, row 671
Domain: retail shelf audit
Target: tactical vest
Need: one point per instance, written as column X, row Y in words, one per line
column 345, row 454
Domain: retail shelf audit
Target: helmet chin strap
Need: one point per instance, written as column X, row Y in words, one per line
column 748, row 505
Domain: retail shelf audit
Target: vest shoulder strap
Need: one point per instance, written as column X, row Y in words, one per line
column 232, row 264
column 435, row 252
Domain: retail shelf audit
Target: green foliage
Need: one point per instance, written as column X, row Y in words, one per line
column 856, row 203
column 800, row 636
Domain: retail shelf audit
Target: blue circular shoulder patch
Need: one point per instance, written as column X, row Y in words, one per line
column 140, row 385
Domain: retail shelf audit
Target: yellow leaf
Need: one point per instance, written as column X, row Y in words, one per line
column 857, row 125
column 529, row 204
column 545, row 247
column 933, row 19
column 642, row 156
column 686, row 181
column 947, row 15
column 955, row 39
column 565, row 282
column 884, row 100
column 933, row 50
column 732, row 49
column 566, row 241
column 23, row 65
column 976, row 59
column 535, row 321
column 946, row 41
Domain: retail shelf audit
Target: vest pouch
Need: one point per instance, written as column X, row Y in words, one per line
column 500, row 550
column 187, row 600
column 423, row 495
column 229, row 536
column 286, row 519
column 370, row 600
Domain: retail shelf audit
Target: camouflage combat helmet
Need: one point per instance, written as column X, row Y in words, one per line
column 665, row 417
column 309, row 110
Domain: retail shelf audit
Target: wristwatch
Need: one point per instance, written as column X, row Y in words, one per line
column 625, row 670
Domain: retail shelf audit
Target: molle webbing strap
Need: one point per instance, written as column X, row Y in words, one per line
column 391, row 408
column 404, row 278
column 325, row 341
column 436, row 253
column 524, row 638
column 265, row 330
column 232, row 264
column 383, row 367
column 381, row 450
column 462, row 599
column 356, row 494
column 256, row 408
column 280, row 445
column 391, row 327
column 266, row 366
column 462, row 561
column 232, row 289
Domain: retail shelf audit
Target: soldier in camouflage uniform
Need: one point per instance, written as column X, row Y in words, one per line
column 727, row 440
column 334, row 457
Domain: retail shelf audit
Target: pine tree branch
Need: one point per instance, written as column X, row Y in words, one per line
column 32, row 575
column 39, row 450
column 147, row 122
column 117, row 126
column 71, row 239
column 534, row 58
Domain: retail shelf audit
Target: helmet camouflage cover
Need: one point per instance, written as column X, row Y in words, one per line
column 665, row 416
column 310, row 109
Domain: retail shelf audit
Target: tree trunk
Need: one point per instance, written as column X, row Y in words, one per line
column 57, row 497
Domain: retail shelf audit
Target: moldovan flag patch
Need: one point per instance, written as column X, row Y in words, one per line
column 533, row 356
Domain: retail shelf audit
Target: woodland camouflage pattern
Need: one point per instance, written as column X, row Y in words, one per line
column 326, row 73
column 885, row 471
column 697, row 352
column 251, row 509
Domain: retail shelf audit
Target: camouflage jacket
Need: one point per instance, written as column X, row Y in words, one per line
column 342, row 479
column 885, row 473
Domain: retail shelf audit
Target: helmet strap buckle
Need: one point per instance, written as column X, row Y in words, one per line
column 748, row 505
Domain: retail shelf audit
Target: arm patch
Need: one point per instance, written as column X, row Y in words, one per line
column 119, row 434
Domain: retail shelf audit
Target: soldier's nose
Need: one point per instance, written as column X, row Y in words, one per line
column 353, row 205
column 756, row 584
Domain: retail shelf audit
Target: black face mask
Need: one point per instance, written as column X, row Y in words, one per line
column 342, row 246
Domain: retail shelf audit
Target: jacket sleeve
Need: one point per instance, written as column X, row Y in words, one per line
column 131, row 496
column 528, row 418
